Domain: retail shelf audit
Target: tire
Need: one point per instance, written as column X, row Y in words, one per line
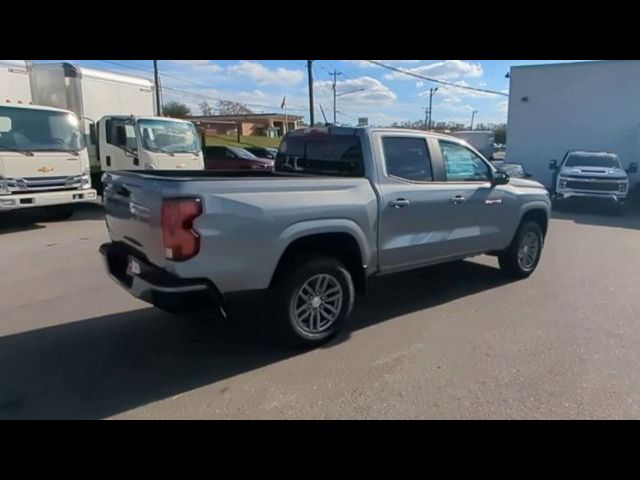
column 58, row 212
column 297, row 330
column 509, row 261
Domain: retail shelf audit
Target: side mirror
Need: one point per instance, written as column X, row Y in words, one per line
column 121, row 136
column 553, row 165
column 633, row 168
column 500, row 178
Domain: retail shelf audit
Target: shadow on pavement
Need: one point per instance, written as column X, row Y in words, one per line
column 34, row 218
column 102, row 366
column 599, row 215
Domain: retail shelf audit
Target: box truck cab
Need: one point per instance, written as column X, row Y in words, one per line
column 118, row 119
column 43, row 160
column 150, row 143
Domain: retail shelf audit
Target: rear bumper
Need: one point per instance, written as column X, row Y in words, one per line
column 151, row 283
column 45, row 199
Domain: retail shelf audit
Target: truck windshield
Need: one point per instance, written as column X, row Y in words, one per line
column 603, row 161
column 169, row 136
column 33, row 130
column 321, row 154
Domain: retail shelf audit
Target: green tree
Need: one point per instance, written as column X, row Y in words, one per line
column 500, row 134
column 176, row 109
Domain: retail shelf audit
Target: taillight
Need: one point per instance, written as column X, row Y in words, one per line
column 180, row 241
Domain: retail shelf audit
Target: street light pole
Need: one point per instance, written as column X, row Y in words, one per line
column 156, row 77
column 310, row 75
column 473, row 114
column 431, row 92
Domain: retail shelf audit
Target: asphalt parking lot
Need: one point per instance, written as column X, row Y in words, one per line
column 455, row 341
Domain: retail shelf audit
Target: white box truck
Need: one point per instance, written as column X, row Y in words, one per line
column 481, row 140
column 43, row 157
column 117, row 114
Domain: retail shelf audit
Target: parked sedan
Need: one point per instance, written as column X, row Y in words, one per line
column 263, row 152
column 234, row 158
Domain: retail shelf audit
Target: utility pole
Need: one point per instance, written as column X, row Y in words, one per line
column 431, row 92
column 335, row 74
column 310, row 76
column 426, row 117
column 156, row 78
column 473, row 114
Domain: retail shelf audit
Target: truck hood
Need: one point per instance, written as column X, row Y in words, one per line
column 523, row 182
column 594, row 172
column 41, row 164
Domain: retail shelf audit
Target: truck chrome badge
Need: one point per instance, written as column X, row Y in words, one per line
column 496, row 201
column 46, row 169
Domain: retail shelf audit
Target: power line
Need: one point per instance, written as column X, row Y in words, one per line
column 202, row 95
column 198, row 84
column 435, row 80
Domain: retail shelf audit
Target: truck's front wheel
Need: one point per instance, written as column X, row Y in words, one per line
column 311, row 301
column 523, row 255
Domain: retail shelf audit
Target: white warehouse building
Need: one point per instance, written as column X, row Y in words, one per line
column 573, row 106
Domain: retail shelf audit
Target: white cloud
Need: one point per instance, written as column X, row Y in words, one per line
column 448, row 69
column 365, row 91
column 198, row 65
column 264, row 76
column 366, row 64
column 503, row 106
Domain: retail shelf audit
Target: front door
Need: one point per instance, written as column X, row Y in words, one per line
column 113, row 155
column 480, row 213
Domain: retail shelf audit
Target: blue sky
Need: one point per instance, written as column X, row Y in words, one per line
column 377, row 93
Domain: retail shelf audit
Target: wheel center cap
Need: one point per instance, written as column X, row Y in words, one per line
column 316, row 302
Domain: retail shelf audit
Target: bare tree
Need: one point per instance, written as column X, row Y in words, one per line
column 227, row 107
column 206, row 109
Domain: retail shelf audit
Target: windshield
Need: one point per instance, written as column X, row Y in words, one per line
column 603, row 161
column 242, row 153
column 39, row 130
column 169, row 136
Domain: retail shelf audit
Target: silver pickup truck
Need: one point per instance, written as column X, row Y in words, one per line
column 342, row 205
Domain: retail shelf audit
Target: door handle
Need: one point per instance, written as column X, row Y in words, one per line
column 399, row 203
column 458, row 199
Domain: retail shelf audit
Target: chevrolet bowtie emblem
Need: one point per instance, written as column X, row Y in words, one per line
column 46, row 169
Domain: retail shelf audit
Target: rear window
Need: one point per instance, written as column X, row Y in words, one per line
column 322, row 154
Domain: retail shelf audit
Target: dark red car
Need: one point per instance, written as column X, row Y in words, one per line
column 234, row 158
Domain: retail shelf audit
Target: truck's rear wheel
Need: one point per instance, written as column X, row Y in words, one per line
column 522, row 257
column 311, row 302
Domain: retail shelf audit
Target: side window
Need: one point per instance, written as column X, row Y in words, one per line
column 407, row 158
column 462, row 165
column 111, row 126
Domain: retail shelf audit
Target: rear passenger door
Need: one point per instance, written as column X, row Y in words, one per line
column 413, row 230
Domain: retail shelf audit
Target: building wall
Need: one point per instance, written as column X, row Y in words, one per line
column 593, row 106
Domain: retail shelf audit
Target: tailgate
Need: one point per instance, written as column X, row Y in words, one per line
column 133, row 208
